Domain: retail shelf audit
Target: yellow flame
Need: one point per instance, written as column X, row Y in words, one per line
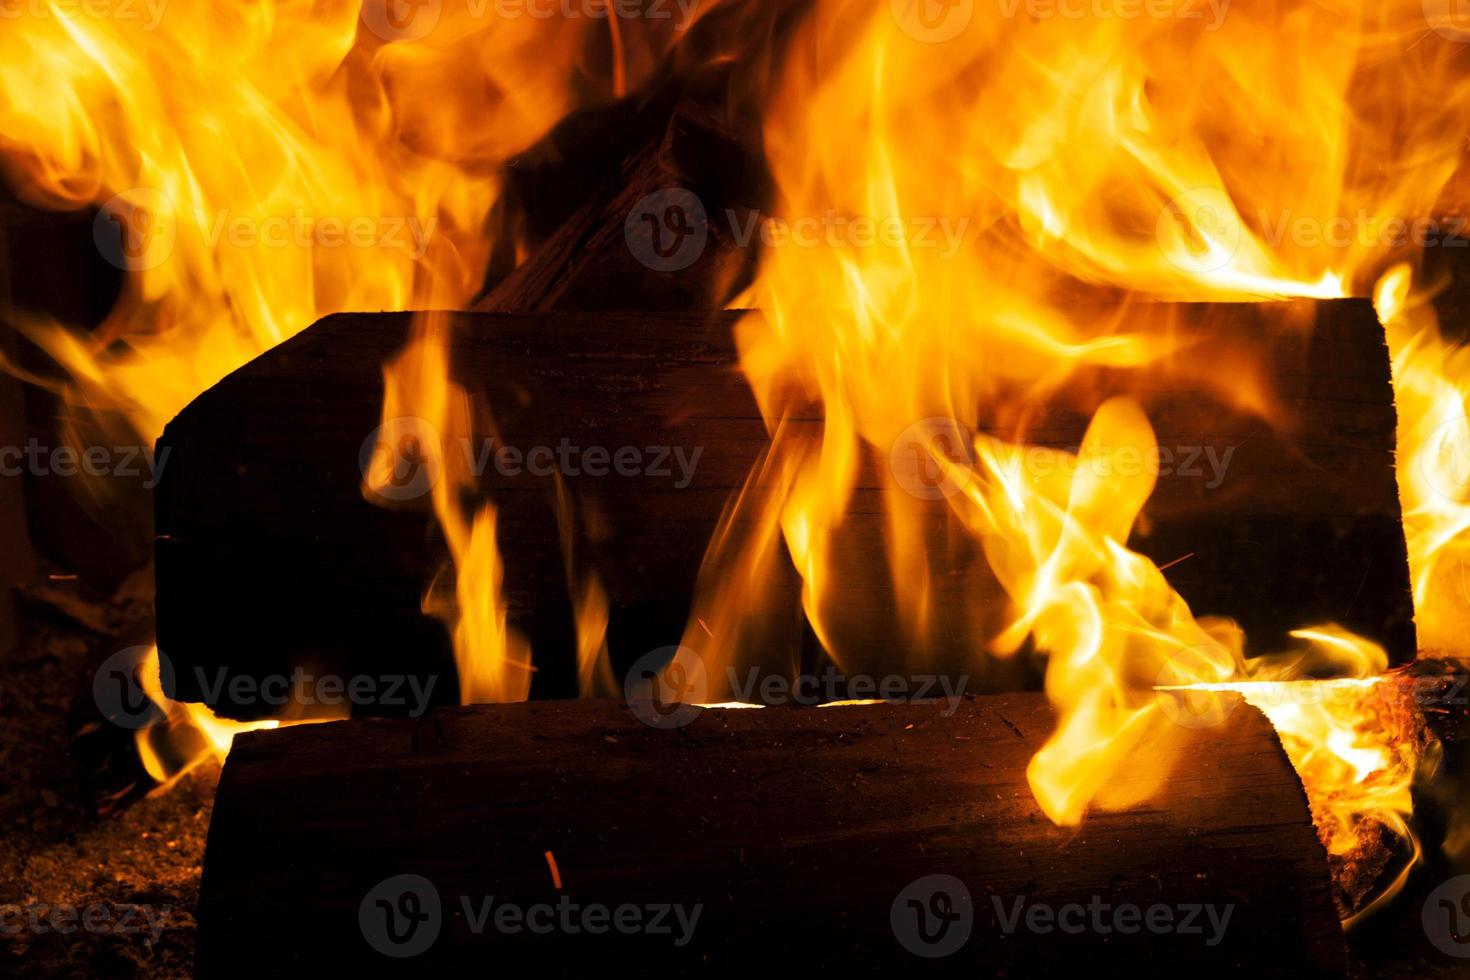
column 189, row 734
column 421, row 401
column 966, row 182
column 1006, row 163
column 1431, row 385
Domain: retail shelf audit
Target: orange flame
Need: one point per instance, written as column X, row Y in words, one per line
column 422, row 403
column 974, row 171
column 189, row 733
column 1007, row 159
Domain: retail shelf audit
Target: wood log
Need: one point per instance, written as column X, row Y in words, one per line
column 569, row 228
column 799, row 833
column 269, row 557
column 681, row 146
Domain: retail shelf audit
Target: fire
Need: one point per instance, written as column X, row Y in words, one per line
column 423, row 405
column 259, row 166
column 1011, row 163
column 189, row 733
column 265, row 164
column 1431, row 385
column 1153, row 157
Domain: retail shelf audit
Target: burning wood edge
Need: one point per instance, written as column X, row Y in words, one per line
column 801, row 837
column 262, row 522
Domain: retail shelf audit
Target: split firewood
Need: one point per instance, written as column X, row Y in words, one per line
column 269, row 557
column 853, row 820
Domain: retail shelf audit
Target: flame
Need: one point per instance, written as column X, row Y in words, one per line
column 189, row 733
column 1014, row 160
column 1431, row 385
column 1006, row 161
column 1103, row 615
column 261, row 165
column 492, row 660
column 1355, row 741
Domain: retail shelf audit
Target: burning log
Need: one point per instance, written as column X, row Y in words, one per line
column 839, row 816
column 680, row 145
column 269, row 557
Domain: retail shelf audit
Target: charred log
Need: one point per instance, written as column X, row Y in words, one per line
column 835, row 815
column 270, row 558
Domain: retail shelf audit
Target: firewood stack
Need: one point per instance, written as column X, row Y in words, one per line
column 269, row 559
